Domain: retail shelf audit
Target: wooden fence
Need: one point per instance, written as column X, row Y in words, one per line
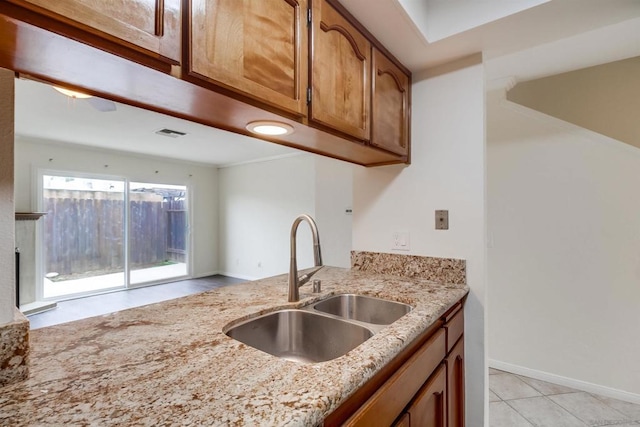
column 84, row 231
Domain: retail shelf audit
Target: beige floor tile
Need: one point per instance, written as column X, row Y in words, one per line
column 542, row 412
column 589, row 409
column 629, row 409
column 503, row 415
column 545, row 387
column 493, row 397
column 493, row 371
column 509, row 386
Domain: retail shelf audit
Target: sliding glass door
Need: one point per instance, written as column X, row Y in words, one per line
column 158, row 232
column 103, row 234
column 84, row 235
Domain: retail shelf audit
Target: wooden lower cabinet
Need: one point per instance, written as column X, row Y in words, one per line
column 429, row 408
column 384, row 406
column 455, row 385
column 403, row 421
column 423, row 389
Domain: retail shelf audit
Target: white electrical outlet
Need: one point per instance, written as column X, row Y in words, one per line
column 400, row 241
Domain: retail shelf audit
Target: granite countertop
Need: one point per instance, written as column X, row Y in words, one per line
column 170, row 363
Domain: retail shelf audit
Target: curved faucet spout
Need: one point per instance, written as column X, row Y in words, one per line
column 294, row 281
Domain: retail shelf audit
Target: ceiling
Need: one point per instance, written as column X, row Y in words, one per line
column 590, row 32
column 603, row 99
column 437, row 19
column 520, row 40
column 43, row 113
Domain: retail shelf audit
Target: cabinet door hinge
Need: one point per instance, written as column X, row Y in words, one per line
column 309, row 16
column 308, row 95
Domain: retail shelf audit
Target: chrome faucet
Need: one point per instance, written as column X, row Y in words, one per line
column 294, row 281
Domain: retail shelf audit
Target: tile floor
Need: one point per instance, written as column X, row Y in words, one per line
column 518, row 401
column 97, row 305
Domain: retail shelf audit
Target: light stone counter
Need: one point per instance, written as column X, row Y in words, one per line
column 170, row 364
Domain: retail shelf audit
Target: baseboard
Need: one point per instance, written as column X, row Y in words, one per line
column 206, row 274
column 567, row 382
column 238, row 276
column 37, row 307
column 225, row 273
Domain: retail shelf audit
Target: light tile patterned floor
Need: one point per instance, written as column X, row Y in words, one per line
column 517, row 401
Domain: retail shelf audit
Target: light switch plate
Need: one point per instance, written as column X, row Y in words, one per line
column 401, row 241
column 442, row 220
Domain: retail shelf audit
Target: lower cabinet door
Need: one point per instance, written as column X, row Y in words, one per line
column 429, row 409
column 403, row 421
column 455, row 385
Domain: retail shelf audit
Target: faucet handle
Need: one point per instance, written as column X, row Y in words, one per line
column 317, row 286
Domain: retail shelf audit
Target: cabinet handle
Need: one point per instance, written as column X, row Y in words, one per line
column 159, row 18
column 443, row 409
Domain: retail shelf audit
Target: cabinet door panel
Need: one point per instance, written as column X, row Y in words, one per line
column 387, row 403
column 341, row 63
column 390, row 107
column 429, row 407
column 252, row 46
column 455, row 385
column 403, row 421
column 153, row 25
column 454, row 328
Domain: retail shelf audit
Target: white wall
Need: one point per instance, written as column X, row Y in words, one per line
column 32, row 155
column 334, row 195
column 447, row 172
column 564, row 269
column 251, row 217
column 260, row 200
column 258, row 203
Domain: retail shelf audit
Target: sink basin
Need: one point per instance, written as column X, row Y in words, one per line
column 363, row 309
column 299, row 335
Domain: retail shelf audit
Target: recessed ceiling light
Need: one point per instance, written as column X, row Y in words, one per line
column 71, row 93
column 265, row 127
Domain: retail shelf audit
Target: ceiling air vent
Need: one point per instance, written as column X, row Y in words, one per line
column 170, row 133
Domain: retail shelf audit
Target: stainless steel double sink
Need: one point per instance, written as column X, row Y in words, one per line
column 321, row 331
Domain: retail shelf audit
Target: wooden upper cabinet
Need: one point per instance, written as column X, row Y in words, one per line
column 340, row 73
column 390, row 106
column 256, row 47
column 149, row 26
